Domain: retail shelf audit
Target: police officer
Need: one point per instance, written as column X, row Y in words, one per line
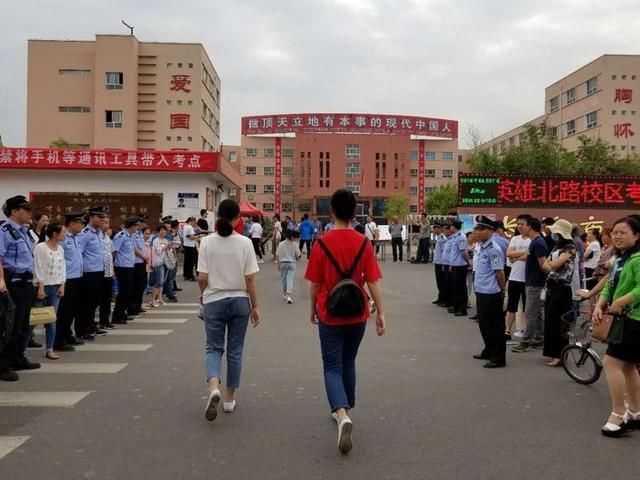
column 140, row 278
column 446, row 268
column 124, row 261
column 92, row 248
column 16, row 279
column 440, row 240
column 69, row 311
column 460, row 264
column 489, row 283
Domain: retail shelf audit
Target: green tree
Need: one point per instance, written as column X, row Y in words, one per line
column 60, row 143
column 597, row 157
column 397, row 205
column 442, row 201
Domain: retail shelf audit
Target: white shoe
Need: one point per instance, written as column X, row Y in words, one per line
column 345, row 427
column 260, row 261
column 229, row 407
column 211, row 412
column 289, row 299
column 334, row 415
column 520, row 334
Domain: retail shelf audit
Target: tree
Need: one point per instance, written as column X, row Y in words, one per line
column 397, row 205
column 60, row 143
column 442, row 201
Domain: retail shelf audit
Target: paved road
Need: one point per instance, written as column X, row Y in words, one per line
column 426, row 409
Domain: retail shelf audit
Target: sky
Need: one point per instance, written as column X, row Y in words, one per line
column 484, row 63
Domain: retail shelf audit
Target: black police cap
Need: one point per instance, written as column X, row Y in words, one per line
column 143, row 216
column 100, row 211
column 75, row 217
column 17, row 202
column 166, row 219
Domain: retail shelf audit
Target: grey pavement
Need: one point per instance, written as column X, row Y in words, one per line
column 425, row 408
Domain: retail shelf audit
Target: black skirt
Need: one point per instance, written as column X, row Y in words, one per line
column 629, row 349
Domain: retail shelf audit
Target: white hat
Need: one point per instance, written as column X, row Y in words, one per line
column 563, row 228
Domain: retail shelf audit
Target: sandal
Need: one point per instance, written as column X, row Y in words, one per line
column 614, row 430
column 556, row 362
column 51, row 355
column 632, row 419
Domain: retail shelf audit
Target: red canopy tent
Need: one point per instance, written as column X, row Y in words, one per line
column 248, row 210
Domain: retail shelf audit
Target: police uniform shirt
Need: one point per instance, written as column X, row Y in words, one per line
column 123, row 248
column 438, row 252
column 16, row 248
column 501, row 242
column 446, row 251
column 459, row 244
column 92, row 249
column 138, row 243
column 72, row 255
column 490, row 260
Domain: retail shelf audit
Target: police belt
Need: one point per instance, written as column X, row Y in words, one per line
column 12, row 277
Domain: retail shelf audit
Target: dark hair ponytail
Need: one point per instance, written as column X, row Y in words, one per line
column 228, row 210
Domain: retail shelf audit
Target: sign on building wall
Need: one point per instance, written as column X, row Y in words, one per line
column 278, row 176
column 139, row 160
column 349, row 123
column 188, row 200
column 521, row 191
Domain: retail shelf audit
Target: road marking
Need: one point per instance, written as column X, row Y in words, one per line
column 9, row 444
column 41, row 399
column 78, row 368
column 159, row 320
column 180, row 304
column 169, row 312
column 121, row 332
column 114, row 347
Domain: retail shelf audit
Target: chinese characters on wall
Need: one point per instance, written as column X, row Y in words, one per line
column 179, row 83
column 623, row 130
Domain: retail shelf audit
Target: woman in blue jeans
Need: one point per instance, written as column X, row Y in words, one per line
column 340, row 337
column 49, row 278
column 227, row 266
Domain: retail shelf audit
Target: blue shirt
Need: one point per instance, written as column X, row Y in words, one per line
column 317, row 229
column 441, row 240
column 329, row 226
column 138, row 243
column 534, row 276
column 446, row 251
column 247, row 228
column 459, row 244
column 92, row 249
column 501, row 242
column 16, row 248
column 306, row 230
column 125, row 257
column 490, row 260
column 72, row 255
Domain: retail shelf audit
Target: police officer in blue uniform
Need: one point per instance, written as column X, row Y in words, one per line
column 489, row 284
column 124, row 262
column 92, row 248
column 446, row 267
column 460, row 264
column 69, row 309
column 140, row 278
column 440, row 240
column 16, row 280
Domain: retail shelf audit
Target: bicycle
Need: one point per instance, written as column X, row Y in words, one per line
column 581, row 362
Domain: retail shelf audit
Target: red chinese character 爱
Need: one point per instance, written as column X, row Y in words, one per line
column 180, row 120
column 623, row 95
column 623, row 130
column 180, row 82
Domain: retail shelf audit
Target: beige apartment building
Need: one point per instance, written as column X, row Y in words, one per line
column 117, row 92
column 597, row 101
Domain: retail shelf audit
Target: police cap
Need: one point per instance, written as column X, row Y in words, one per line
column 100, row 211
column 13, row 203
column 457, row 224
column 75, row 217
column 143, row 217
column 131, row 221
column 482, row 221
column 166, row 219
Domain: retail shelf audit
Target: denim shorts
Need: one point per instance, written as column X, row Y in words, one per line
column 158, row 274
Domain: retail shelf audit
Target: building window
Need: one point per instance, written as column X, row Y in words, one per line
column 592, row 85
column 554, row 132
column 571, row 127
column 73, row 72
column 287, row 152
column 189, row 139
column 168, row 102
column 431, row 156
column 268, row 189
column 269, row 152
column 179, row 65
column 232, row 156
column 268, row 171
column 613, row 77
column 74, row 109
column 168, row 138
column 286, row 207
column 553, row 104
column 613, row 112
column 623, row 112
column 169, row 64
column 447, row 155
column 250, row 170
column 352, row 150
column 633, row 77
column 190, row 102
column 268, row 207
column 352, row 187
column 301, row 154
column 447, row 173
column 413, row 155
column 413, row 191
column 429, row 190
column 413, row 172
column 113, row 118
column 430, row 172
column 251, row 152
column 352, row 169
column 250, row 188
column 287, row 188
column 592, row 119
column 571, row 96
column 413, row 208
column 304, row 207
column 114, row 80
column 178, row 138
column 179, row 102
column 191, row 65
column 321, row 155
column 287, row 171
column 624, row 77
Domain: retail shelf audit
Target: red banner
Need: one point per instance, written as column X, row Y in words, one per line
column 278, row 174
column 349, row 123
column 421, row 177
column 137, row 160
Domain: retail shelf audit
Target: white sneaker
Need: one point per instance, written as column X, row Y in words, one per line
column 229, row 407
column 334, row 415
column 520, row 334
column 260, row 261
column 345, row 427
column 211, row 412
column 289, row 299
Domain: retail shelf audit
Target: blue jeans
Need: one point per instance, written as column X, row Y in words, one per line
column 339, row 347
column 51, row 299
column 230, row 316
column 159, row 276
column 168, row 283
column 288, row 275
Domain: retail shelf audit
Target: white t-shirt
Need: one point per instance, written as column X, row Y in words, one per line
column 188, row 230
column 277, row 230
column 50, row 267
column 226, row 260
column 370, row 230
column 593, row 261
column 518, row 268
column 256, row 230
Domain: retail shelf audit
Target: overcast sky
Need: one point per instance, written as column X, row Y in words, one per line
column 482, row 62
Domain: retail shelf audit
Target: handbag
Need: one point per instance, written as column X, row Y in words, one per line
column 600, row 332
column 42, row 315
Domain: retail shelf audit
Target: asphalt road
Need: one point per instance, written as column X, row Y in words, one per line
column 425, row 409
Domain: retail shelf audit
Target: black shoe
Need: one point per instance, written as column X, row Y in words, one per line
column 34, row 344
column 442, row 305
column 461, row 313
column 177, row 289
column 480, row 356
column 451, row 309
column 88, row 337
column 507, row 337
column 9, row 376
column 474, row 317
column 25, row 364
column 99, row 333
column 64, row 348
column 131, row 317
column 119, row 322
column 436, row 302
column 492, row 364
column 75, row 341
column 172, row 300
column 108, row 326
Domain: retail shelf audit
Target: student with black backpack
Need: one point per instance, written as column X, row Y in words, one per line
column 342, row 261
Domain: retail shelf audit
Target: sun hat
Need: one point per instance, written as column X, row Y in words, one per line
column 563, row 228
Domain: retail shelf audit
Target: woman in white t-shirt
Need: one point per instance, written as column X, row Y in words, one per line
column 227, row 267
column 159, row 247
column 50, row 276
column 592, row 256
column 255, row 232
column 277, row 233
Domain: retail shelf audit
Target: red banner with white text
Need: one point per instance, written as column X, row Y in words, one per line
column 278, row 174
column 421, row 154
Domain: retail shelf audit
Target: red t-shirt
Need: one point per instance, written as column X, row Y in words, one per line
column 240, row 227
column 344, row 245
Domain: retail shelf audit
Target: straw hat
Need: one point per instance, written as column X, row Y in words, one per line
column 563, row 228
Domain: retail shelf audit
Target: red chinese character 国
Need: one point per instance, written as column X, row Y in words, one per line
column 180, row 120
column 180, row 83
column 623, row 130
column 623, row 95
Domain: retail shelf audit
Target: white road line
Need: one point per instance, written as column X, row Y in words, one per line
column 9, row 444
column 159, row 320
column 114, row 347
column 41, row 399
column 121, row 332
column 180, row 304
column 169, row 312
column 98, row 368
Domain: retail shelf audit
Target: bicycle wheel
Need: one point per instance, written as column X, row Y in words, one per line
column 581, row 364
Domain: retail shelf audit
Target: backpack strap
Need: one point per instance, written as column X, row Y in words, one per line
column 331, row 258
column 358, row 257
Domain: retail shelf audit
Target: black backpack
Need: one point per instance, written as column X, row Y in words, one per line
column 346, row 299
